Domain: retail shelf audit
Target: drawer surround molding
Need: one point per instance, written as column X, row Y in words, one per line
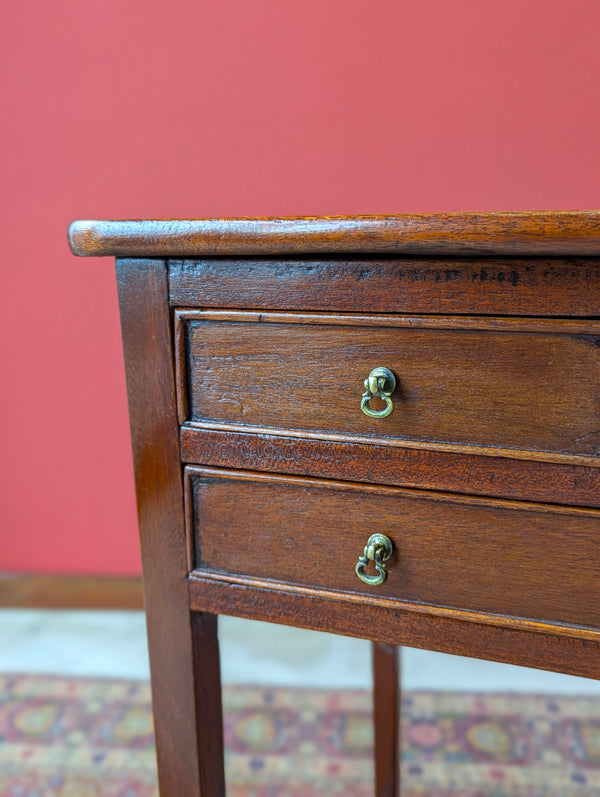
column 424, row 466
column 381, row 266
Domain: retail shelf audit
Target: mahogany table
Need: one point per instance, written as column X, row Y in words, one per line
column 384, row 427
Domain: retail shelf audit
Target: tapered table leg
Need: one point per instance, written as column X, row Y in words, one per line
column 183, row 647
column 386, row 719
column 209, row 710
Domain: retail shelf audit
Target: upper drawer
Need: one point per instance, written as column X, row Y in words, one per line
column 493, row 384
column 550, row 286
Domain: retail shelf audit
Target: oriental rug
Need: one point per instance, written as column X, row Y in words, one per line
column 76, row 737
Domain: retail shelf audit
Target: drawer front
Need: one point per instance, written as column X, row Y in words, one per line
column 498, row 557
column 491, row 384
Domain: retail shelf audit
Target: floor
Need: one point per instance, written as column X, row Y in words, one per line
column 113, row 644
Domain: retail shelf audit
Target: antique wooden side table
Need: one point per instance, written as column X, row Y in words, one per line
column 385, row 427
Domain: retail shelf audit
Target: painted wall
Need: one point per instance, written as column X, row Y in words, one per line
column 124, row 108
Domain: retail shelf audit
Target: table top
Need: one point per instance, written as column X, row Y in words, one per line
column 568, row 232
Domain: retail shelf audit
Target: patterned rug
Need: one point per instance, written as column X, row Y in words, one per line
column 74, row 737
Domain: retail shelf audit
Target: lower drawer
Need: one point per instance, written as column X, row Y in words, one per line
column 499, row 557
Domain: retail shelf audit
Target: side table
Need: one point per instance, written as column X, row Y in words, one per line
column 384, row 427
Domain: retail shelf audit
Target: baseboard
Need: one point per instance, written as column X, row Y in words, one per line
column 41, row 591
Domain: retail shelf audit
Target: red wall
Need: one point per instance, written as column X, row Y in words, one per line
column 124, row 108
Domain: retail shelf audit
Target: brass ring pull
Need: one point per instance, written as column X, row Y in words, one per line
column 378, row 550
column 381, row 382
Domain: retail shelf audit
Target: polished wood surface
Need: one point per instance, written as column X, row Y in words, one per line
column 247, row 342
column 569, row 650
column 549, row 286
column 518, row 559
column 386, row 718
column 543, row 232
column 537, row 391
column 409, row 464
column 208, row 706
column 180, row 681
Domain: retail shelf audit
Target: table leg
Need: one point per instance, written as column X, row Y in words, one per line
column 183, row 647
column 209, row 708
column 386, row 718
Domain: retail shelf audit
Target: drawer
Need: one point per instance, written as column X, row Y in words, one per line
column 505, row 384
column 498, row 557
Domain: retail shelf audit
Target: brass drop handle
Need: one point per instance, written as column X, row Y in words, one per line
column 381, row 382
column 378, row 550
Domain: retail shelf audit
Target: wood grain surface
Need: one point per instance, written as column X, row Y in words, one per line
column 543, row 232
column 502, row 476
column 461, row 635
column 492, row 285
column 510, row 558
column 248, row 349
column 70, row 591
column 185, row 691
column 494, row 388
column 386, row 718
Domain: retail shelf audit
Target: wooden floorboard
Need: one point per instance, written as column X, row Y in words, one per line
column 51, row 591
